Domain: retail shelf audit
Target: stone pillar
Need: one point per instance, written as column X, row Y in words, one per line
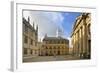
column 88, row 41
column 73, row 44
column 80, row 42
column 84, row 37
column 76, row 43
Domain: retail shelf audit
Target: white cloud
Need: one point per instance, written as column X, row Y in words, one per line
column 55, row 17
column 47, row 22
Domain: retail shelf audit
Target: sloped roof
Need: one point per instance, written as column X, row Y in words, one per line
column 54, row 38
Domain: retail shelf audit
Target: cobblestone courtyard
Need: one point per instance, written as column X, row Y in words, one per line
column 50, row 58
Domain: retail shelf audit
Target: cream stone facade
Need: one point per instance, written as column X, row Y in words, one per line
column 81, row 36
column 30, row 38
column 40, row 48
column 53, row 46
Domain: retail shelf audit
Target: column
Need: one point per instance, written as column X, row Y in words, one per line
column 88, row 41
column 75, row 44
column 84, row 38
column 80, row 41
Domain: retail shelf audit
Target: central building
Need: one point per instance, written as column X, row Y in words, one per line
column 53, row 46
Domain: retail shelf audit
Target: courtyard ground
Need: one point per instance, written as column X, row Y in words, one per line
column 50, row 58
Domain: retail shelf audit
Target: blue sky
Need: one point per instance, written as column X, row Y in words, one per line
column 48, row 22
column 69, row 21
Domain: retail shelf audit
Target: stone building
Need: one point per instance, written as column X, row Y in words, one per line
column 81, row 36
column 55, row 46
column 30, row 39
column 40, row 48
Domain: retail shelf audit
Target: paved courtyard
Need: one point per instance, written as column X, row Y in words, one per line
column 50, row 58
